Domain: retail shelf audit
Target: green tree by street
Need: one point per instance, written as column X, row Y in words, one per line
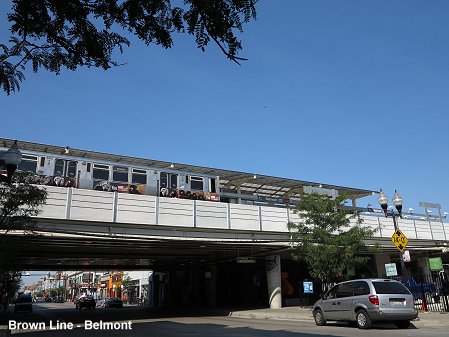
column 326, row 241
column 20, row 201
column 54, row 34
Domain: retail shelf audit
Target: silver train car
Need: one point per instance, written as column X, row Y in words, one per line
column 85, row 173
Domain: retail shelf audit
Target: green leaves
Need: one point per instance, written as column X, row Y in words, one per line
column 19, row 203
column 325, row 240
column 54, row 34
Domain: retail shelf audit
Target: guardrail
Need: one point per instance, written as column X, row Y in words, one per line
column 113, row 207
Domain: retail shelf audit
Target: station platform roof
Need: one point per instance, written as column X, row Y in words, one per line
column 249, row 183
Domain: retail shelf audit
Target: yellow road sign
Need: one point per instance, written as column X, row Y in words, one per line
column 399, row 240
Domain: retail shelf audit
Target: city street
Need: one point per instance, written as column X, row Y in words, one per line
column 184, row 322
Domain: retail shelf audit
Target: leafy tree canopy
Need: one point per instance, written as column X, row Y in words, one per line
column 19, row 203
column 55, row 34
column 325, row 239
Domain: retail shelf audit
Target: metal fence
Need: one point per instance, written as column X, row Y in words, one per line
column 430, row 293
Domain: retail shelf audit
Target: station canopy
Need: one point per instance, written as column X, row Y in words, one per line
column 269, row 187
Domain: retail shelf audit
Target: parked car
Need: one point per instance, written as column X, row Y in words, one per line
column 365, row 301
column 59, row 299
column 23, row 303
column 85, row 302
column 112, row 302
column 39, row 300
column 100, row 302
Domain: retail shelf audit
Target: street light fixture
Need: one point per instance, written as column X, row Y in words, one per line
column 11, row 159
column 398, row 202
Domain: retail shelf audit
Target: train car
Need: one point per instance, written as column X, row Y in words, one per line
column 85, row 173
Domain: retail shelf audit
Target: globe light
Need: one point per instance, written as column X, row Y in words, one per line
column 13, row 156
column 382, row 199
column 398, row 201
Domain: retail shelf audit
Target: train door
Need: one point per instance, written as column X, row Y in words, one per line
column 168, row 185
column 65, row 173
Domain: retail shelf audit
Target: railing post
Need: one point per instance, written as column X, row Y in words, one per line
column 194, row 213
column 114, row 206
column 229, row 215
column 380, row 226
column 157, row 209
column 68, row 204
column 416, row 232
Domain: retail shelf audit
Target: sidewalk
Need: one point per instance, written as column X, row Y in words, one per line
column 304, row 314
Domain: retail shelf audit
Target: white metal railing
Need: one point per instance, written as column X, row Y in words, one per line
column 110, row 207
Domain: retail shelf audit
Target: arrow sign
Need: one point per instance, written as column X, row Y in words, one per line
column 399, row 240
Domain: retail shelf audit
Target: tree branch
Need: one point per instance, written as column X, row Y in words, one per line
column 231, row 57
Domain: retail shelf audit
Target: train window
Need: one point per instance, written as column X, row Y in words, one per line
column 120, row 173
column 88, row 167
column 212, row 187
column 59, row 168
column 42, row 163
column 28, row 163
column 196, row 183
column 187, row 179
column 71, row 169
column 173, row 181
column 139, row 176
column 100, row 172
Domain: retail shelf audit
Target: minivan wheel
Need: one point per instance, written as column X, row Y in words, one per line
column 363, row 320
column 402, row 324
column 319, row 318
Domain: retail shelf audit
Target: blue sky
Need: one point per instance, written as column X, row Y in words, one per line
column 351, row 93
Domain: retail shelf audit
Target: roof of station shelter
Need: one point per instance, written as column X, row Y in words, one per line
column 250, row 183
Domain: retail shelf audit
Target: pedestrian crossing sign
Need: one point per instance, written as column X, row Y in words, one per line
column 399, row 240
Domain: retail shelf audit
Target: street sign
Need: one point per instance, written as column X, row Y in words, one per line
column 390, row 269
column 436, row 263
column 332, row 193
column 429, row 204
column 246, row 259
column 399, row 240
column 308, row 287
column 406, row 256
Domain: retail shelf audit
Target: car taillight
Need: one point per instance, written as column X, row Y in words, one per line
column 374, row 299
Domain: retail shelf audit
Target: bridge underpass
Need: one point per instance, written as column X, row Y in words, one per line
column 184, row 256
column 80, row 251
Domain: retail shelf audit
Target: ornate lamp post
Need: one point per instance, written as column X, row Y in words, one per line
column 398, row 202
column 11, row 159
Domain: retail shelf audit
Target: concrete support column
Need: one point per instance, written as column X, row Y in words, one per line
column 239, row 191
column 273, row 268
column 381, row 260
column 423, row 263
column 211, row 286
column 151, row 288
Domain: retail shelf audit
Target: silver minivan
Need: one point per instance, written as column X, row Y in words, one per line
column 365, row 301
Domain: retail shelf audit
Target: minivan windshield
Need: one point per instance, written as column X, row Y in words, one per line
column 390, row 288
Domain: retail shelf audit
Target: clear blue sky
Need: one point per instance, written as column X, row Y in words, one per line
column 351, row 93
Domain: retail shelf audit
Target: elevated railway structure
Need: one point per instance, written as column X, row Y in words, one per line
column 170, row 216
